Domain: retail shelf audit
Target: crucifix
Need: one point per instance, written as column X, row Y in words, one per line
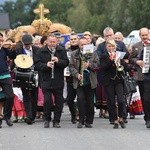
column 41, row 11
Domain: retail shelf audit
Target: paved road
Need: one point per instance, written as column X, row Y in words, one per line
column 101, row 137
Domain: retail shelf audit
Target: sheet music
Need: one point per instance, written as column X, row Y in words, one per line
column 146, row 59
column 66, row 70
column 120, row 54
column 88, row 48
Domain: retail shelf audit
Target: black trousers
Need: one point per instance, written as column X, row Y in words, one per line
column 115, row 94
column 85, row 104
column 147, row 99
column 71, row 95
column 30, row 98
column 141, row 90
column 6, row 85
column 48, row 104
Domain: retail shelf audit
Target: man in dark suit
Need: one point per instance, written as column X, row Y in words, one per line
column 108, row 33
column 29, row 94
column 52, row 59
column 71, row 92
column 136, row 50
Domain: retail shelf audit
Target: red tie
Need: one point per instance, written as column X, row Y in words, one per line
column 146, row 43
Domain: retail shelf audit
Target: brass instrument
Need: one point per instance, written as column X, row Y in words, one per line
column 81, row 71
column 118, row 65
column 120, row 68
column 117, row 62
column 84, row 58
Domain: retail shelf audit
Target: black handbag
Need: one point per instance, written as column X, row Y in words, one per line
column 129, row 85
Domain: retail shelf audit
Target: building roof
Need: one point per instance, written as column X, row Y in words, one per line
column 4, row 21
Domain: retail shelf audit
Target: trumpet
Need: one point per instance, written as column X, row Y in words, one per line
column 118, row 65
column 120, row 68
column 117, row 61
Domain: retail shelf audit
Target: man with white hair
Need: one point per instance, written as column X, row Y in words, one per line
column 136, row 50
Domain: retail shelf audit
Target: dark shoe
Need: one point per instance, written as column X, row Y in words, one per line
column 115, row 126
column 112, row 122
column 46, row 124
column 15, row 121
column 56, row 125
column 87, row 125
column 0, row 122
column 74, row 121
column 148, row 124
column 9, row 122
column 122, row 124
column 125, row 120
column 79, row 125
column 28, row 121
column 132, row 116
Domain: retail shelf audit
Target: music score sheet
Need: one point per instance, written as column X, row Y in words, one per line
column 146, row 59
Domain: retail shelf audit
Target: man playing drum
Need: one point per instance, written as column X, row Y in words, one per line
column 28, row 86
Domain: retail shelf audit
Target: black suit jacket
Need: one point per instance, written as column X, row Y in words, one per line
column 109, row 69
column 44, row 56
column 20, row 50
column 120, row 47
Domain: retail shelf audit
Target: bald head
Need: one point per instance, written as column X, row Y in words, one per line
column 144, row 34
column 118, row 36
column 143, row 30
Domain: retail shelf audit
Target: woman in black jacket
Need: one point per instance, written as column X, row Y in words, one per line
column 113, row 82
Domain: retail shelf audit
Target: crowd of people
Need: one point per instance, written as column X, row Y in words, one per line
column 94, row 79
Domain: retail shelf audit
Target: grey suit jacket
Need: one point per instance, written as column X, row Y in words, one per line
column 74, row 67
column 136, row 50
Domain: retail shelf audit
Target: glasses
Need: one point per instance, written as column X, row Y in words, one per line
column 73, row 39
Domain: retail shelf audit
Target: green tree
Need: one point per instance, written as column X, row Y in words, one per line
column 119, row 15
column 20, row 12
column 58, row 10
column 140, row 15
column 79, row 16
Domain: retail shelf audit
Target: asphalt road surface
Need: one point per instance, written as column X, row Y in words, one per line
column 101, row 137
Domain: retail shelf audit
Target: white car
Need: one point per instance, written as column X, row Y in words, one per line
column 134, row 34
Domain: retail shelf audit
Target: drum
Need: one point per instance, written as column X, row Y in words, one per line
column 25, row 78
